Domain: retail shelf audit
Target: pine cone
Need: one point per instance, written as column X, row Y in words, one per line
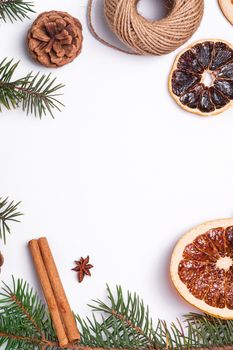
column 1, row 260
column 55, row 38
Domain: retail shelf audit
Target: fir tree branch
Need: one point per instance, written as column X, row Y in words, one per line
column 128, row 319
column 8, row 213
column 124, row 325
column 15, row 300
column 14, row 10
column 39, row 94
column 47, row 344
column 26, row 339
column 127, row 325
column 24, row 320
column 36, row 94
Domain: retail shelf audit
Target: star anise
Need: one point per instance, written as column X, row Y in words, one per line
column 83, row 268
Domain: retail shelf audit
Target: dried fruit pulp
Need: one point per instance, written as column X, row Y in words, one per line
column 187, row 78
column 202, row 267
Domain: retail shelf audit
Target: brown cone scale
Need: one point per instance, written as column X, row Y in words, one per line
column 1, row 260
column 55, row 38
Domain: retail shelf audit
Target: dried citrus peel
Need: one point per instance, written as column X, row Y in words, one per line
column 202, row 267
column 227, row 9
column 187, row 81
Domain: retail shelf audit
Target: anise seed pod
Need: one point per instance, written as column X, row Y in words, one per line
column 83, row 268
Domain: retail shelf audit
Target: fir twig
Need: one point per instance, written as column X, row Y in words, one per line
column 127, row 323
column 8, row 213
column 124, row 325
column 24, row 321
column 37, row 94
column 14, row 10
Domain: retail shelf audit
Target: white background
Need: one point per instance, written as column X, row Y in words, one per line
column 121, row 173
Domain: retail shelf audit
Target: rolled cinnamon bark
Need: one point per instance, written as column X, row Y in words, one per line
column 48, row 292
column 58, row 290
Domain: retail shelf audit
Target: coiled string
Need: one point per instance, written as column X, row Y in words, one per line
column 147, row 37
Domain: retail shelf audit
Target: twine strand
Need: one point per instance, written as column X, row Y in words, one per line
column 147, row 37
column 97, row 37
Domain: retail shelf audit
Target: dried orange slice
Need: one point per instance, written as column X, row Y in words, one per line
column 202, row 267
column 227, row 9
column 188, row 85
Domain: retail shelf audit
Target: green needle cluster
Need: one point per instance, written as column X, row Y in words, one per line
column 123, row 322
column 14, row 10
column 8, row 213
column 35, row 94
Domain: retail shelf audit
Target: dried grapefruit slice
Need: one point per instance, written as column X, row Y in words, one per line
column 227, row 9
column 188, row 85
column 202, row 267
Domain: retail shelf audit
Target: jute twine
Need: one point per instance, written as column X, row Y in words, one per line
column 147, row 37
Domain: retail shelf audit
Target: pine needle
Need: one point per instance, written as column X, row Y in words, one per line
column 123, row 323
column 14, row 10
column 36, row 94
column 8, row 213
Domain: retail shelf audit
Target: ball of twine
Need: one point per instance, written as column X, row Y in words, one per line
column 147, row 37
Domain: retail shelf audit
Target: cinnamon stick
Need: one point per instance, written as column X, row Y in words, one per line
column 48, row 292
column 58, row 290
